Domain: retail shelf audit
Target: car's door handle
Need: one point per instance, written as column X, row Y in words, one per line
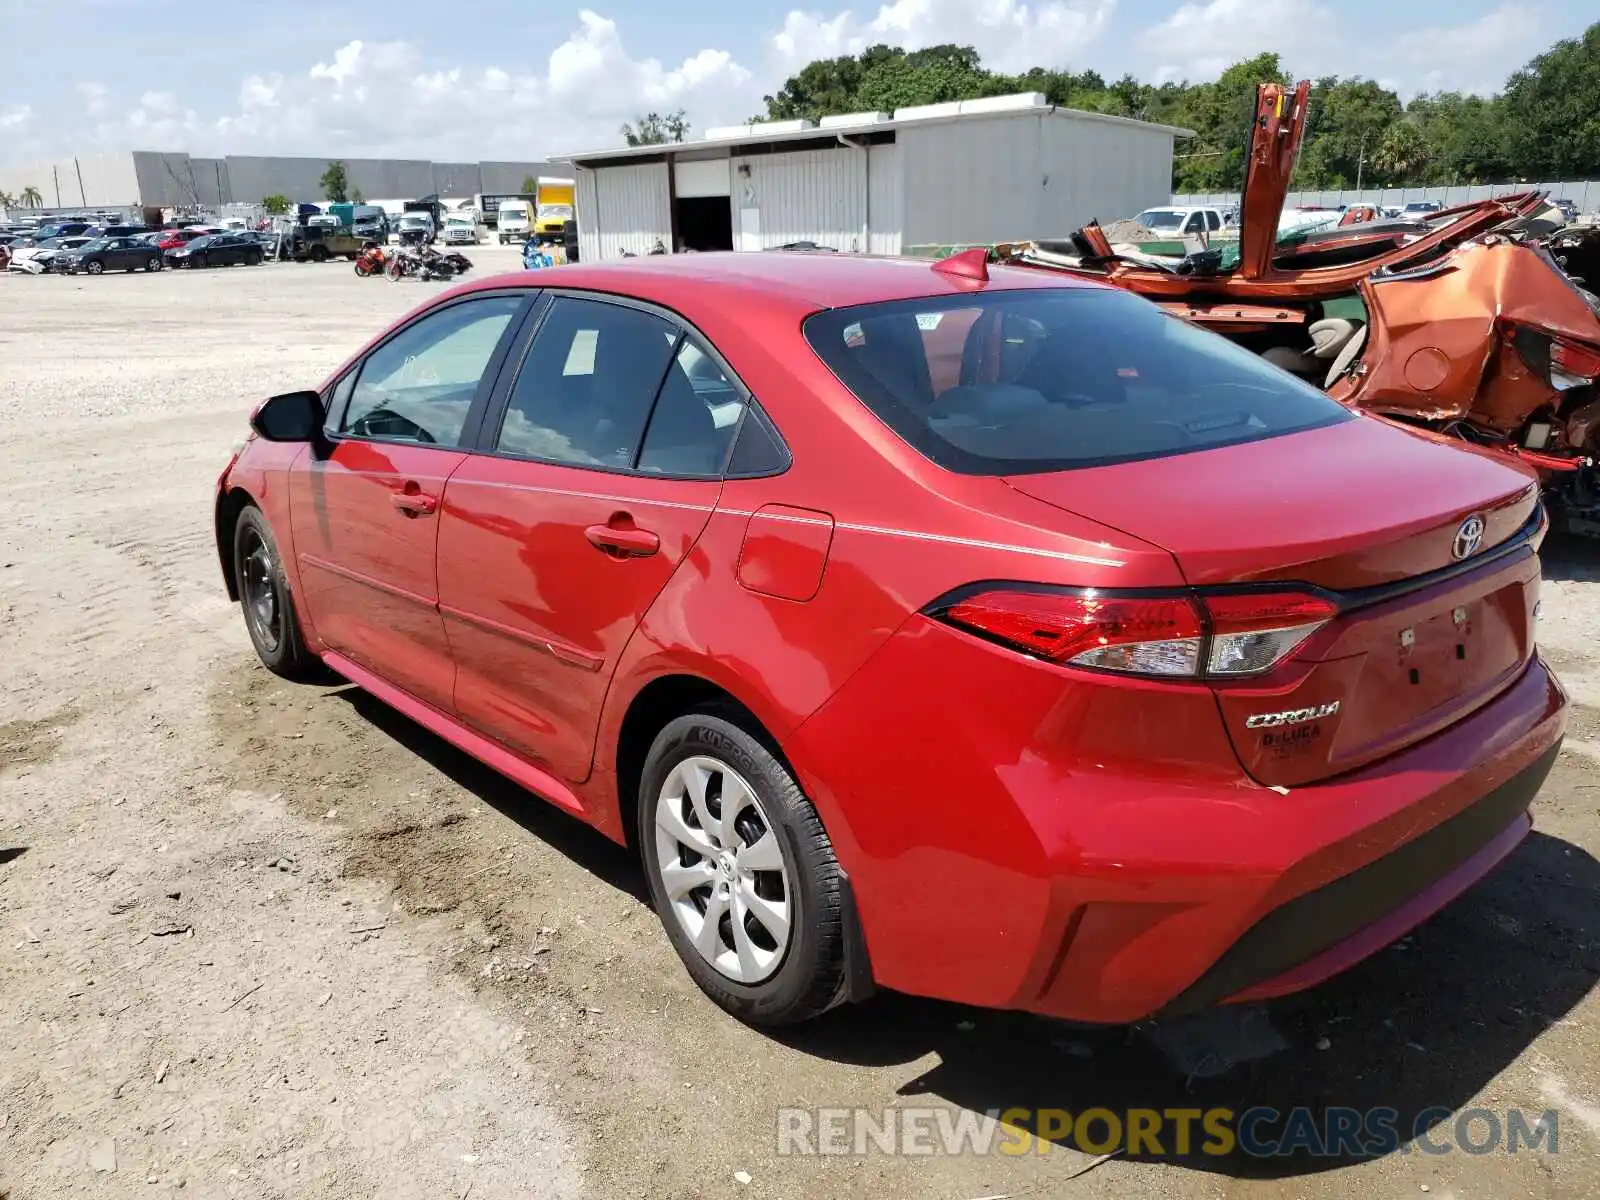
column 413, row 502
column 621, row 538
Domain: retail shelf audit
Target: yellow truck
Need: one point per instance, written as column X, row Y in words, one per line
column 553, row 208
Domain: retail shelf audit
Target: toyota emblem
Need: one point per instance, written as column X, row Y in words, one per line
column 1468, row 538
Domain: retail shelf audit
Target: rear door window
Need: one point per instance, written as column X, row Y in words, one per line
column 586, row 388
column 1050, row 379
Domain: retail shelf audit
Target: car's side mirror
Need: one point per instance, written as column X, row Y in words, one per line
column 291, row 417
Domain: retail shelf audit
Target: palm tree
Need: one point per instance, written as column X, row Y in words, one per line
column 31, row 197
column 7, row 200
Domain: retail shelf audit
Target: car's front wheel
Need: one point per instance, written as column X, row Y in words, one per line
column 269, row 614
column 152, row 264
column 94, row 267
column 741, row 872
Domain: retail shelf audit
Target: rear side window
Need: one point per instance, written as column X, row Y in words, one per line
column 586, row 388
column 1012, row 383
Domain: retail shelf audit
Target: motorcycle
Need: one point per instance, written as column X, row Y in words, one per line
column 371, row 261
column 427, row 264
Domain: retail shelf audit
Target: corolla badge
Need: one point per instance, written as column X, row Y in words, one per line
column 1468, row 538
column 1293, row 716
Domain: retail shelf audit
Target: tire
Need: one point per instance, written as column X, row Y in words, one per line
column 252, row 260
column 94, row 267
column 152, row 264
column 757, row 979
column 319, row 254
column 268, row 608
column 361, row 269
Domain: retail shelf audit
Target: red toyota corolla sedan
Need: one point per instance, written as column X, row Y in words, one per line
column 988, row 636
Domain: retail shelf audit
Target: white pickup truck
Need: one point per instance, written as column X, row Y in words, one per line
column 1182, row 222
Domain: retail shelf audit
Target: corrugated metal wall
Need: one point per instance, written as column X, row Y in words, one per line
column 804, row 196
column 622, row 208
column 1027, row 176
column 1584, row 193
column 111, row 180
column 885, row 199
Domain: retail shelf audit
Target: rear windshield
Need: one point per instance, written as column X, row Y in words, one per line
column 1011, row 383
column 1160, row 218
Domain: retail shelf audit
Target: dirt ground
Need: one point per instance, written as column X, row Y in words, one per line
column 259, row 940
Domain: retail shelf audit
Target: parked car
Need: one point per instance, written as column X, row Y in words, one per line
column 110, row 254
column 125, row 230
column 40, row 258
column 1179, row 222
column 875, row 609
column 461, row 231
column 216, row 250
column 1569, row 209
column 267, row 239
column 1420, row 210
column 319, row 243
column 171, row 239
column 57, row 229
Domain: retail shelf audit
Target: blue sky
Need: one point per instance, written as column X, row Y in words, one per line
column 495, row 79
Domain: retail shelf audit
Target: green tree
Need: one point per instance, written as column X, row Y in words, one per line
column 1402, row 153
column 356, row 197
column 653, row 129
column 7, row 200
column 335, row 183
column 530, row 185
column 275, row 204
column 1552, row 111
column 1466, row 136
column 31, row 197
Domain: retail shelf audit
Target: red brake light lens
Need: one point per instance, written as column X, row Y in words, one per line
column 1177, row 635
column 1157, row 635
column 1578, row 361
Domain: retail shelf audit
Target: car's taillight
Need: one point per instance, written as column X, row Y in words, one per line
column 1147, row 635
column 1174, row 635
column 1252, row 632
column 1579, row 363
column 1562, row 364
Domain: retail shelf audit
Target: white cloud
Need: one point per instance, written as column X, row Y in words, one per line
column 382, row 98
column 1009, row 35
column 1474, row 57
column 95, row 98
column 1201, row 39
column 15, row 116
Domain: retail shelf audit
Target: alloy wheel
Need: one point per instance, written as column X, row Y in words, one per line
column 259, row 588
column 722, row 870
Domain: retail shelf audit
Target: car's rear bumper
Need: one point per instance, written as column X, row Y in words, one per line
column 1022, row 839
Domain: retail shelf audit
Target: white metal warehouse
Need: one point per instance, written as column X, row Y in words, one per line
column 968, row 172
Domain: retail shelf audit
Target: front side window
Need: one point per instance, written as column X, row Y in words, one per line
column 587, row 385
column 419, row 385
column 1054, row 378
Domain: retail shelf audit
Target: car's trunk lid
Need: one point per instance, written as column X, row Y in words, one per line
column 1382, row 518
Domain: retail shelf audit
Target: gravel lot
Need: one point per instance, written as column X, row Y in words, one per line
column 272, row 941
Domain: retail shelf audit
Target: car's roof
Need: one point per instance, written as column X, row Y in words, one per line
column 800, row 280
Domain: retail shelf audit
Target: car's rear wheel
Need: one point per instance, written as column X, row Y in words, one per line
column 94, row 267
column 253, row 260
column 152, row 264
column 741, row 872
column 269, row 615
column 319, row 254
